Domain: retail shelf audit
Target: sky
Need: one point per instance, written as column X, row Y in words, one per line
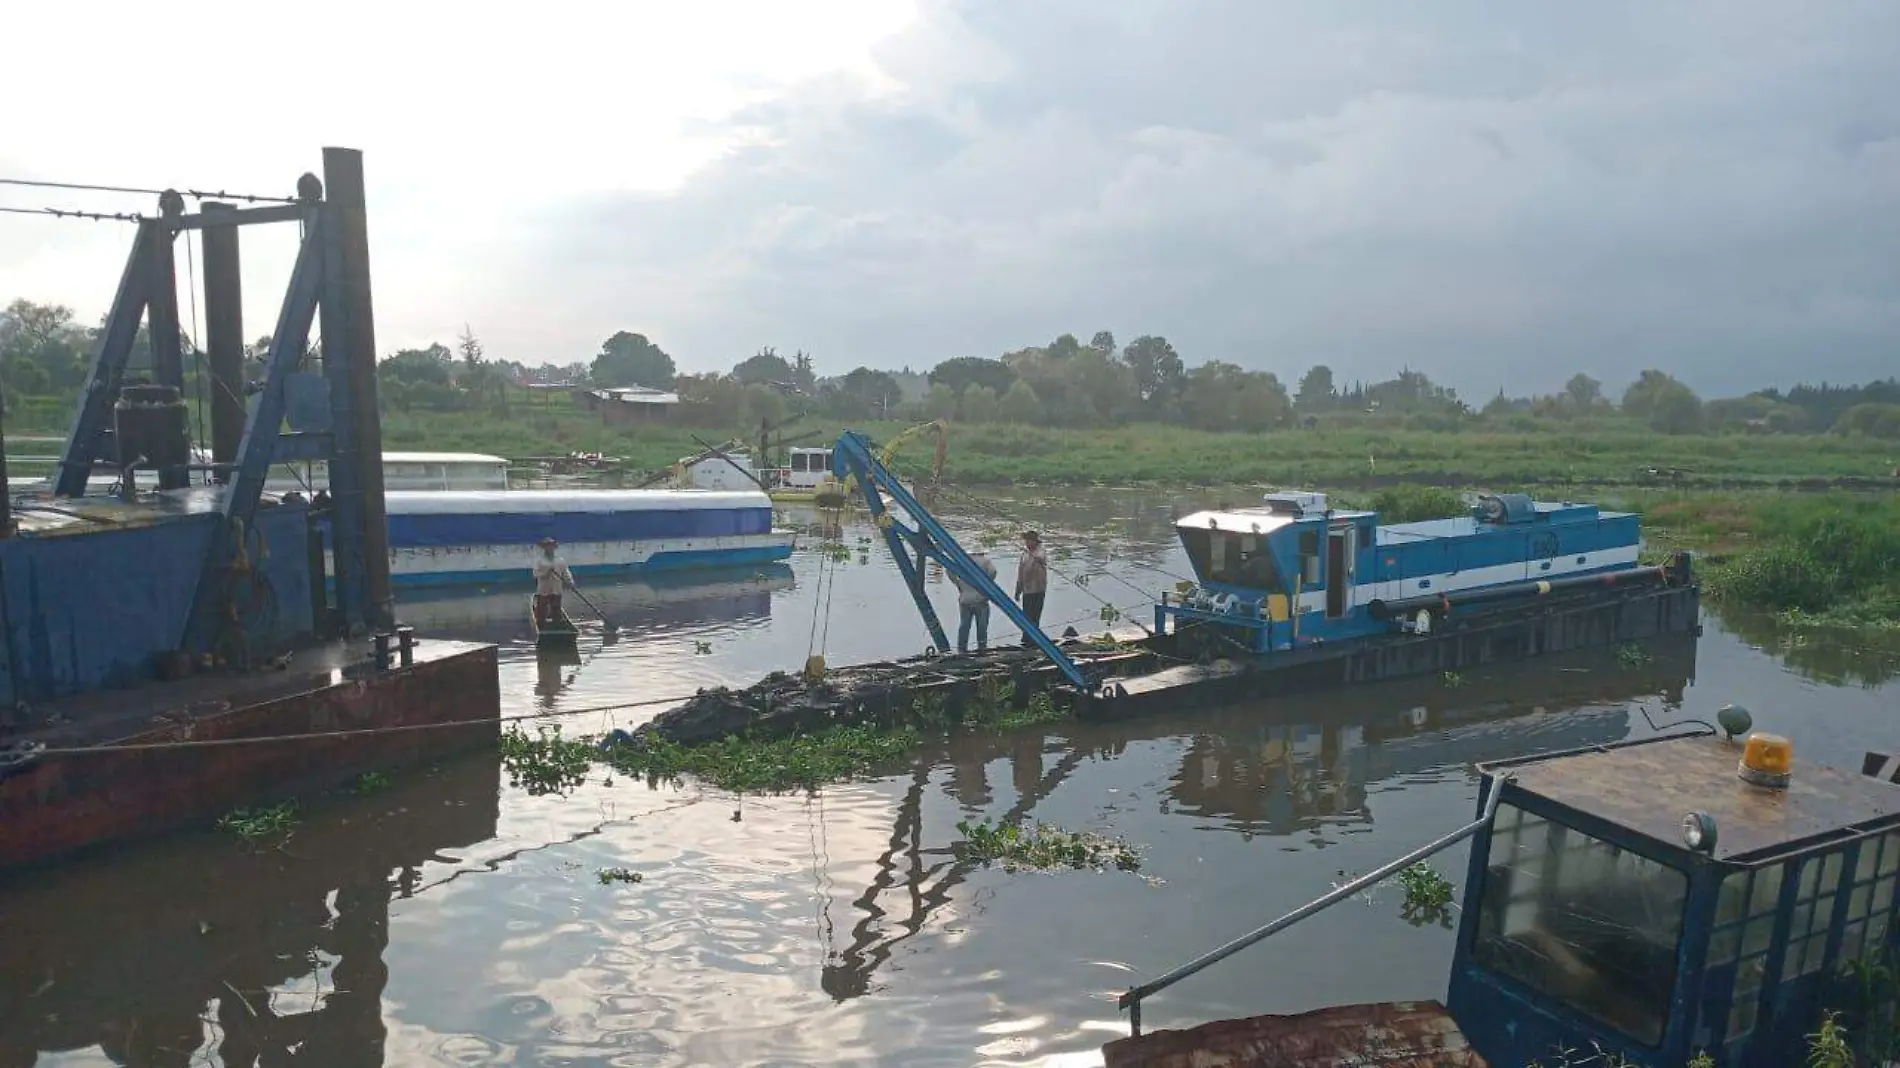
column 1498, row 195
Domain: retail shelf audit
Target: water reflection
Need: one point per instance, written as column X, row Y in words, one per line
column 1274, row 769
column 150, row 955
column 1865, row 658
column 640, row 606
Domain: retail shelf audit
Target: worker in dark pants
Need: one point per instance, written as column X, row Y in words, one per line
column 1032, row 579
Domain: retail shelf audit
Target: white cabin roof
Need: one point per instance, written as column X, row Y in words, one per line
column 548, row 502
column 442, row 458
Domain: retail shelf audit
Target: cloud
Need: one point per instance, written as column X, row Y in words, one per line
column 1499, row 196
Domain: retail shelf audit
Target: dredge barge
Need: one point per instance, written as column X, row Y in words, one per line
column 1292, row 595
column 174, row 653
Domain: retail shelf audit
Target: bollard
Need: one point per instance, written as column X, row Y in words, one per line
column 380, row 653
column 406, row 643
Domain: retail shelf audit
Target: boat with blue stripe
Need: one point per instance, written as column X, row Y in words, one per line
column 1295, row 571
column 448, row 538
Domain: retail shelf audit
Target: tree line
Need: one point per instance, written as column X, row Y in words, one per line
column 45, row 352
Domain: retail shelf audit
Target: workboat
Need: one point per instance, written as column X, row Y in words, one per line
column 1295, row 571
column 445, row 538
column 1674, row 900
column 1297, row 595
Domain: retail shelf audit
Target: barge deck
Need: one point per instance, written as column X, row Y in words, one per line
column 121, row 764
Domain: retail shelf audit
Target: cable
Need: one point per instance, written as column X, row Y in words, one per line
column 83, row 187
column 195, row 194
column 209, row 743
column 67, row 213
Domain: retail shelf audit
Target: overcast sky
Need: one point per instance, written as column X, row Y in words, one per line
column 1497, row 194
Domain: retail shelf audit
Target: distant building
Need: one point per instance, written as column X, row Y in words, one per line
column 630, row 404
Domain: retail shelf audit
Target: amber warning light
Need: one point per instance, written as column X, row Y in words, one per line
column 1767, row 760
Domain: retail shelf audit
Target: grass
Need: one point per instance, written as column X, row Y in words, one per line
column 1042, row 847
column 610, row 876
column 1612, row 453
column 1829, row 562
column 253, row 824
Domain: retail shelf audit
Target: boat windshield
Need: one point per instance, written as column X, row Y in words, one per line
column 1582, row 921
column 1231, row 558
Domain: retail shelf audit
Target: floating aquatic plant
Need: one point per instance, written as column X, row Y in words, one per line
column 1042, row 847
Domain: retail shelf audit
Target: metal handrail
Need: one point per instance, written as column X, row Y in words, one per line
column 1133, row 998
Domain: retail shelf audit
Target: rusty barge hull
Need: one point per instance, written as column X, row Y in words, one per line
column 1148, row 674
column 1392, row 1035
column 60, row 803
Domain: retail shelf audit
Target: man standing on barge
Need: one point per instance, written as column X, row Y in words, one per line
column 1032, row 579
column 551, row 576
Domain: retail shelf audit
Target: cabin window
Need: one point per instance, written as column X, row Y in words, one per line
column 1738, row 952
column 1232, row 559
column 1582, row 921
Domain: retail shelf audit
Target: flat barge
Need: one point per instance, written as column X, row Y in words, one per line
column 1288, row 597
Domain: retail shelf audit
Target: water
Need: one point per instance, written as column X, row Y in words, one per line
column 452, row 919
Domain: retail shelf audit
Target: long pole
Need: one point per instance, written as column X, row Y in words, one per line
column 1132, row 999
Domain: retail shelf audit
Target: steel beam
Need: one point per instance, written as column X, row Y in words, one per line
column 209, row 220
column 94, row 417
column 224, row 335
column 349, row 339
column 853, row 457
column 258, row 450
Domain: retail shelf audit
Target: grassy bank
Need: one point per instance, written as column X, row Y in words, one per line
column 996, row 454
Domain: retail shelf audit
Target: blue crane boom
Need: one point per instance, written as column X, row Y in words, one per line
column 854, row 458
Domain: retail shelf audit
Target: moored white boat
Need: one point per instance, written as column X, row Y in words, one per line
column 445, row 538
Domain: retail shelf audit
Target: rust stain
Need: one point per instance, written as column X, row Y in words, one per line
column 1399, row 1034
column 1647, row 788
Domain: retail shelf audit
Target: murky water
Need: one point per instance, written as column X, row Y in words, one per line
column 452, row 919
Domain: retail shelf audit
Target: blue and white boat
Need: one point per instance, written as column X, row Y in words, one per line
column 451, row 537
column 1295, row 570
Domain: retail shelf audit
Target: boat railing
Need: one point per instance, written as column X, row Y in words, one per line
column 1132, row 999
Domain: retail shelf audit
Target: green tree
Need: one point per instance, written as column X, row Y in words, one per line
column 765, row 368
column 1104, row 343
column 42, row 349
column 1583, row 394
column 1020, row 405
column 1159, row 372
column 1317, row 393
column 979, row 405
column 959, row 374
column 1064, row 347
column 627, row 359
column 871, row 392
column 1872, row 420
column 1665, row 404
column 942, row 403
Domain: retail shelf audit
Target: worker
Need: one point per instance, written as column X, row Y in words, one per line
column 1032, row 579
column 973, row 605
column 551, row 576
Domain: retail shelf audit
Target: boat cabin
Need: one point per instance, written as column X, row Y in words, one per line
column 1650, row 900
column 733, row 470
column 1295, row 568
column 805, row 468
column 404, row 471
